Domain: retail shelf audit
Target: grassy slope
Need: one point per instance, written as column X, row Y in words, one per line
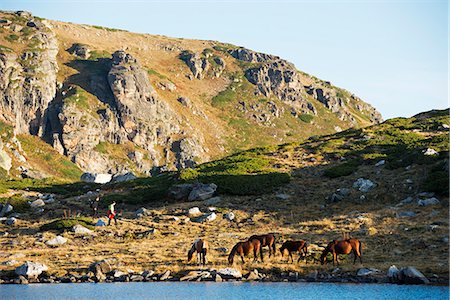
column 305, row 214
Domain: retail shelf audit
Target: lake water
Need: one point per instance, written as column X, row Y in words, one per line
column 224, row 290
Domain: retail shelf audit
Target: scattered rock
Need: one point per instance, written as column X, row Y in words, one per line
column 254, row 275
column 80, row 50
column 202, row 191
column 142, row 212
column 37, row 203
column 101, row 178
column 367, row 271
column 10, row 262
column 212, row 201
column 57, row 241
column 429, row 201
column 312, row 276
column 218, row 278
column 180, row 191
column 6, row 208
column 393, row 274
column 194, row 211
column 430, row 152
column 100, row 268
column 79, row 229
column 364, row 185
column 31, row 269
column 165, row 276
column 192, row 275
column 123, row 177
column 229, row 216
column 411, row 275
column 406, row 214
column 229, row 273
column 184, row 101
column 283, row 196
column 11, row 221
column 380, row 163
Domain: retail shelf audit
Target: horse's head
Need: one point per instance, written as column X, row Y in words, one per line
column 282, row 248
column 190, row 254
column 323, row 257
column 231, row 258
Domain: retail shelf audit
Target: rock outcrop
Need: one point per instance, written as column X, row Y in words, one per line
column 28, row 79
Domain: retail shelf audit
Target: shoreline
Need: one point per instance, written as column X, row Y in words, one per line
column 213, row 276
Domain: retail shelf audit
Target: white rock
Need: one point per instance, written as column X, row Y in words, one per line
column 367, row 271
column 393, row 273
column 57, row 241
column 211, row 217
column 7, row 208
column 79, row 229
column 229, row 273
column 37, row 203
column 229, row 216
column 103, row 178
column 193, row 211
column 430, row 152
column 31, row 269
column 364, row 185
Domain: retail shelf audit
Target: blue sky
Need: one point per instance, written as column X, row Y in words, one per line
column 393, row 54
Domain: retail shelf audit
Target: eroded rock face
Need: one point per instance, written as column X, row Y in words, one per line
column 251, row 56
column 28, row 80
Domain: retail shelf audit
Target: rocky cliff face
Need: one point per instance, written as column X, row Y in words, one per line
column 28, row 78
column 143, row 109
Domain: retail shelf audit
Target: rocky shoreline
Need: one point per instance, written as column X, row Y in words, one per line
column 101, row 272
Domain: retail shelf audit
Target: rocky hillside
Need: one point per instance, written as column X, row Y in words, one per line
column 112, row 101
column 385, row 184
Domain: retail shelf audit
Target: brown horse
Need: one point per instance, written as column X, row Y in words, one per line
column 295, row 246
column 244, row 249
column 201, row 247
column 342, row 247
column 266, row 240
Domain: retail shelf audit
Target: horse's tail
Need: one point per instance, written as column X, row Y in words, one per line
column 359, row 249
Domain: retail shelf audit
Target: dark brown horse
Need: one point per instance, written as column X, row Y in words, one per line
column 295, row 246
column 266, row 240
column 244, row 249
column 201, row 247
column 342, row 247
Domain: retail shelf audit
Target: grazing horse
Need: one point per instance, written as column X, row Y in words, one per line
column 244, row 249
column 342, row 247
column 201, row 247
column 266, row 240
column 295, row 246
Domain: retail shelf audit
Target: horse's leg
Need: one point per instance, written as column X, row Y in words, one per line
column 242, row 257
column 335, row 259
column 261, row 254
column 290, row 255
column 355, row 255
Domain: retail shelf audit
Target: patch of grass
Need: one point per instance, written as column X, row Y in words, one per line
column 307, row 118
column 67, row 224
column 12, row 38
column 245, row 173
column 109, row 29
column 98, row 54
column 344, row 169
column 156, row 73
column 19, row 203
column 437, row 180
column 5, row 49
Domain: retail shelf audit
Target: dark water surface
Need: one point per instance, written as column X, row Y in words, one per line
column 224, row 290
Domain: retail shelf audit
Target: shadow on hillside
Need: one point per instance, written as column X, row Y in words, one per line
column 92, row 76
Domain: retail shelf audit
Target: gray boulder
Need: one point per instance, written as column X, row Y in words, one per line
column 31, row 269
column 37, row 203
column 229, row 273
column 165, row 276
column 393, row 274
column 79, row 229
column 380, row 163
column 56, row 241
column 411, row 275
column 367, row 271
column 406, row 214
column 229, row 216
column 202, row 191
column 80, row 50
column 429, row 201
column 100, row 268
column 11, row 221
column 212, row 201
column 141, row 212
column 6, row 208
column 364, row 185
column 180, row 191
column 123, row 177
column 101, row 178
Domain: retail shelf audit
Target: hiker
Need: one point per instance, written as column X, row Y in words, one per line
column 112, row 213
column 94, row 206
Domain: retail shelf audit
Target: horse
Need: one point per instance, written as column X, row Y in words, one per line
column 266, row 240
column 295, row 246
column 244, row 249
column 201, row 247
column 342, row 247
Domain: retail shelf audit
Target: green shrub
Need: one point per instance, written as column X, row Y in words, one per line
column 307, row 118
column 12, row 37
column 19, row 203
column 67, row 224
column 437, row 180
column 188, row 174
column 344, row 169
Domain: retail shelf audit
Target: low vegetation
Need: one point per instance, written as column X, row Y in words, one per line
column 66, row 224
